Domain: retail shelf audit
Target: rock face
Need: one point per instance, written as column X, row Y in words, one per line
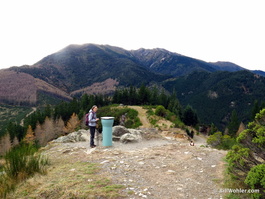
column 78, row 136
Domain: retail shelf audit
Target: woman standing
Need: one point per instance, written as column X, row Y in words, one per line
column 92, row 118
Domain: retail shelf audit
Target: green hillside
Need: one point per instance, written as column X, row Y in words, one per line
column 215, row 95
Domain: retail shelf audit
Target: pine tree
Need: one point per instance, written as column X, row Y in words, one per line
column 125, row 96
column 48, row 111
column 72, row 123
column 15, row 142
column 255, row 109
column 11, row 130
column 84, row 102
column 174, row 105
column 133, row 97
column 213, row 129
column 144, row 95
column 190, row 117
column 116, row 99
column 59, row 127
column 163, row 99
column 234, row 124
column 30, row 137
column 154, row 96
column 48, row 130
column 39, row 135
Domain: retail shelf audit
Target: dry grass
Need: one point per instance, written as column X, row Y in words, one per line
column 66, row 179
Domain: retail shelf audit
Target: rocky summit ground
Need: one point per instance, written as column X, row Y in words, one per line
column 156, row 168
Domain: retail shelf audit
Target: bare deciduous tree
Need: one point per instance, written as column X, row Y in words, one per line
column 5, row 144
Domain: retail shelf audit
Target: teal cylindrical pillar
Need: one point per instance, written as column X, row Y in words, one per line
column 107, row 123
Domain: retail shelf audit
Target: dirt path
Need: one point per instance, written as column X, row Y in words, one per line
column 33, row 110
column 162, row 123
column 142, row 116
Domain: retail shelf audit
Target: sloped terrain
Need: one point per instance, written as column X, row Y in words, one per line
column 21, row 88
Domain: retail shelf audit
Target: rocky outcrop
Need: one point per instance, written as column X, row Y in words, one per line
column 118, row 131
column 78, row 136
column 124, row 135
column 133, row 136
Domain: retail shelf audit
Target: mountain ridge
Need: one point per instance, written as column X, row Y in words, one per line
column 92, row 63
column 75, row 68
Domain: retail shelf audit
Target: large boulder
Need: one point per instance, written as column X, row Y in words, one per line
column 133, row 136
column 78, row 136
column 124, row 135
column 118, row 131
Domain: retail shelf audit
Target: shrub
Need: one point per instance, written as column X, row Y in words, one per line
column 161, row 111
column 256, row 180
column 22, row 162
column 215, row 139
column 178, row 123
column 227, row 142
column 219, row 141
column 132, row 119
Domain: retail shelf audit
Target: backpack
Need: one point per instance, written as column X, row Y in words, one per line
column 87, row 117
column 87, row 120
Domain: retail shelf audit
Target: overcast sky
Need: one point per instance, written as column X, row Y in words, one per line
column 210, row 30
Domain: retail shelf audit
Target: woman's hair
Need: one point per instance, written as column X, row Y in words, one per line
column 93, row 107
